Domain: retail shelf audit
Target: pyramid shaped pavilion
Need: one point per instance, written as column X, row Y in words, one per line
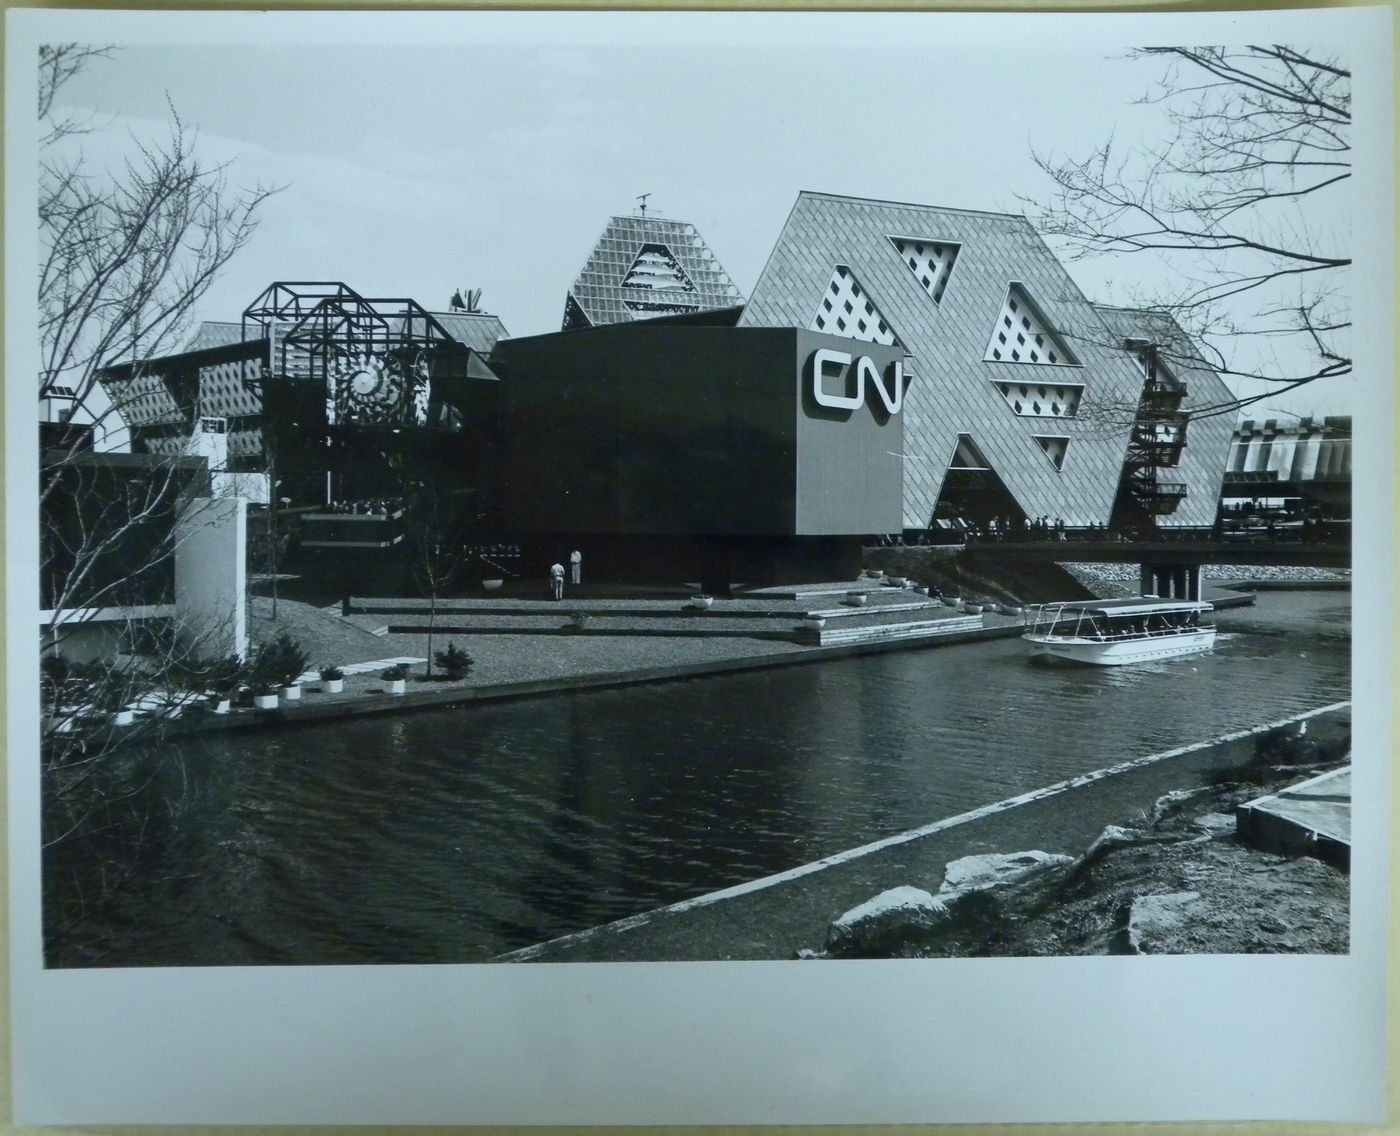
column 643, row 267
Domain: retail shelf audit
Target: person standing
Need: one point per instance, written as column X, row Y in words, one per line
column 556, row 581
column 576, row 566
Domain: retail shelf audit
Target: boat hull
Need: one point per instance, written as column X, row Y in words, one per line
column 1117, row 653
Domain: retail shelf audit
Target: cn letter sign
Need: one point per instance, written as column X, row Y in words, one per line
column 892, row 396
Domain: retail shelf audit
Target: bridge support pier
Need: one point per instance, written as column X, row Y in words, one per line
column 1171, row 581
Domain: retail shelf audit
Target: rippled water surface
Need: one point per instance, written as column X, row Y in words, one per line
column 454, row 835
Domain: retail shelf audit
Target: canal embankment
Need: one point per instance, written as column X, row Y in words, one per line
column 524, row 648
column 1169, row 816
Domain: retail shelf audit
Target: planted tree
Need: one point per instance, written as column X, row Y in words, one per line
column 455, row 662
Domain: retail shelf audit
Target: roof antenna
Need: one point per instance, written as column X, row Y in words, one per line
column 642, row 197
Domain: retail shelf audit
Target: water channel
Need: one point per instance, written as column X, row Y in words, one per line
column 454, row 835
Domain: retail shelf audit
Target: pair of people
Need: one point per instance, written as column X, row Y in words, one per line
column 556, row 574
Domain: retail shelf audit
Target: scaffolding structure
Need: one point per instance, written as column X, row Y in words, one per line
column 1158, row 435
column 313, row 327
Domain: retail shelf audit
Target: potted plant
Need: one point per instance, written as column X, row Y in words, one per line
column 814, row 622
column 700, row 602
column 855, row 599
column 333, row 678
column 493, row 585
column 454, row 661
column 397, row 677
column 265, row 695
column 578, row 621
column 221, row 682
column 280, row 663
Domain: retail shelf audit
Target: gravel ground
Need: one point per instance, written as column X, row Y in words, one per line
column 328, row 638
column 1122, row 579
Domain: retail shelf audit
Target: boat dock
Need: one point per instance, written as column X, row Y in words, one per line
column 1312, row 817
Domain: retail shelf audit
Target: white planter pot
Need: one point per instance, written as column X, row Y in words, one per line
column 123, row 717
column 492, row 585
column 856, row 599
column 816, row 624
column 334, row 685
column 265, row 701
column 292, row 693
column 220, row 705
column 398, row 685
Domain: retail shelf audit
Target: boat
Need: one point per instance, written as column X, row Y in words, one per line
column 1111, row 633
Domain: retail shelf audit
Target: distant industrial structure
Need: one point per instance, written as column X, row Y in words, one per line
column 1306, row 460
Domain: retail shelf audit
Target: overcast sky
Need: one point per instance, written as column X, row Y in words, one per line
column 413, row 170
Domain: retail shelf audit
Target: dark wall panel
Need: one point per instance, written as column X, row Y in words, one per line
column 635, row 429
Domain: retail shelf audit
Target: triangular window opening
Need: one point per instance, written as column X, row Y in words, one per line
column 656, row 269
column 1021, row 334
column 573, row 315
column 1041, row 400
column 846, row 309
column 1055, row 447
column 931, row 262
column 966, row 455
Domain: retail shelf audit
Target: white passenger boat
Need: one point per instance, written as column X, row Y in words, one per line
column 1114, row 632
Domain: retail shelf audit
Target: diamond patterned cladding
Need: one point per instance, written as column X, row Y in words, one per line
column 599, row 293
column 930, row 261
column 953, row 391
column 1205, row 455
column 846, row 309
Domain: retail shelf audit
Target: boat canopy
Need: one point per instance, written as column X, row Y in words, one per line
column 1127, row 608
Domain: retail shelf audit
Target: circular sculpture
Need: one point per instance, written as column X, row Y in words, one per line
column 368, row 391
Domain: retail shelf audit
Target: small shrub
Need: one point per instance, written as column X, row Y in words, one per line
column 331, row 673
column 396, row 673
column 279, row 663
column 223, row 676
column 454, row 661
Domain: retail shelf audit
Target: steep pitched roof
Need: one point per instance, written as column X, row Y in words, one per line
column 477, row 330
column 647, row 266
column 946, row 324
column 217, row 333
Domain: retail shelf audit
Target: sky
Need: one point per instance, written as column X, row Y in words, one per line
column 417, row 169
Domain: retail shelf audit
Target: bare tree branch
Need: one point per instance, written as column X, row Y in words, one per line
column 1259, row 145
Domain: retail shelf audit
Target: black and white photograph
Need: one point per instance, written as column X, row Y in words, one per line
column 889, row 511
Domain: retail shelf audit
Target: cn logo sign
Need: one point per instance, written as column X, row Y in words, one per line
column 891, row 396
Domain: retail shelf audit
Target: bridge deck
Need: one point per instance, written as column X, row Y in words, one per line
column 1251, row 552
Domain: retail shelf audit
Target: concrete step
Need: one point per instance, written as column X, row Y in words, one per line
column 1312, row 817
column 889, row 632
column 881, row 608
